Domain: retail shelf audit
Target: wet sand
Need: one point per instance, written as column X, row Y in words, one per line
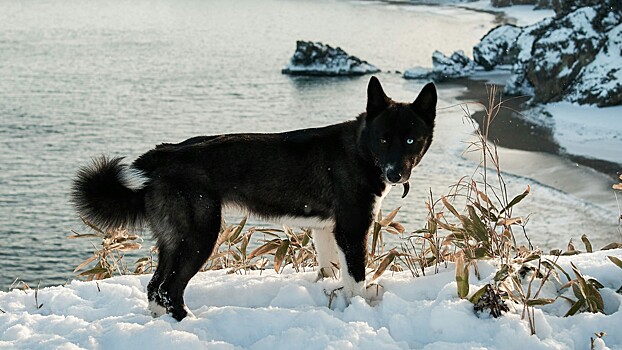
column 529, row 150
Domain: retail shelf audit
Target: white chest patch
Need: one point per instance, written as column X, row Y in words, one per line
column 292, row 221
column 378, row 203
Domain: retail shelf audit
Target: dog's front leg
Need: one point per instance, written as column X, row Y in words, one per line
column 351, row 237
column 326, row 250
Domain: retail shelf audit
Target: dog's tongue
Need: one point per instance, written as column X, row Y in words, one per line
column 406, row 188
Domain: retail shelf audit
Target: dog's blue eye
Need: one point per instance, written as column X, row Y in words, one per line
column 410, row 141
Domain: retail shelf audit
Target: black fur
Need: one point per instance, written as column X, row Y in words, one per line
column 333, row 175
column 101, row 199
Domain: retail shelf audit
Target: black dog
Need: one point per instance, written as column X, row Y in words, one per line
column 330, row 179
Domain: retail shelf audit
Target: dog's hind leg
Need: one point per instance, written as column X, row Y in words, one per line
column 156, row 304
column 196, row 223
column 326, row 249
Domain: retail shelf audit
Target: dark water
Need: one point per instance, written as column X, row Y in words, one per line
column 83, row 78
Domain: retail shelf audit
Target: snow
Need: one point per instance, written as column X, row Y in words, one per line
column 270, row 311
column 603, row 75
column 587, row 131
column 494, row 47
column 562, row 41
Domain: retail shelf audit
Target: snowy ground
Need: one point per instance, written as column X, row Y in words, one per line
column 281, row 311
column 585, row 130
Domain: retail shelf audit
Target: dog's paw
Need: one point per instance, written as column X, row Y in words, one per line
column 340, row 298
column 156, row 309
column 336, row 298
column 374, row 293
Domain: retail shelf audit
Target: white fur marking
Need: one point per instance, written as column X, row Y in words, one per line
column 294, row 221
column 378, row 203
column 133, row 178
column 351, row 288
column 305, row 222
column 155, row 309
column 326, row 249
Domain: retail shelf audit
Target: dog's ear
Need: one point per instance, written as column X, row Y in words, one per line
column 425, row 103
column 377, row 100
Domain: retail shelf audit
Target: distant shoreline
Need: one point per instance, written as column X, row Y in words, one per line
column 512, row 131
column 529, row 150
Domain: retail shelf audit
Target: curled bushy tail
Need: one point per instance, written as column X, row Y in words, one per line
column 109, row 194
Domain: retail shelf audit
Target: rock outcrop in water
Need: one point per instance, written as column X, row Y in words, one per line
column 317, row 59
column 575, row 57
column 457, row 65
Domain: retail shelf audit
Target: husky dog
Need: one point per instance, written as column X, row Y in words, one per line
column 330, row 179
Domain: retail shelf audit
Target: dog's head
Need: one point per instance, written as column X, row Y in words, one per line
column 398, row 134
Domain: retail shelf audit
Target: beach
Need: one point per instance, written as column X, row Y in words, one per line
column 530, row 150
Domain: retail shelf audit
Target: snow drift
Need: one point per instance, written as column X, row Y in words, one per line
column 272, row 311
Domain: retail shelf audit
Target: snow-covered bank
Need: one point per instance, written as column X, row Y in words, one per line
column 585, row 131
column 281, row 311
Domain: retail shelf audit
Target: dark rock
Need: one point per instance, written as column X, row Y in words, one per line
column 544, row 4
column 559, row 54
column 457, row 65
column 573, row 58
column 315, row 58
column 506, row 3
column 498, row 47
column 564, row 7
column 600, row 82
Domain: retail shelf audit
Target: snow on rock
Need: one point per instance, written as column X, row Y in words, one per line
column 600, row 82
column 498, row 47
column 315, row 58
column 574, row 58
column 457, row 65
column 559, row 54
column 270, row 311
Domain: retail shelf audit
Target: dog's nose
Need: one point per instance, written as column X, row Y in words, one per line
column 394, row 176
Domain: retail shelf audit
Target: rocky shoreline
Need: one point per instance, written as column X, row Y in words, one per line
column 574, row 57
